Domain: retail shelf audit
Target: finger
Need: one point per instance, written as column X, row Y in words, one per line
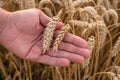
column 44, row 20
column 74, row 49
column 73, row 39
column 63, row 54
column 48, row 60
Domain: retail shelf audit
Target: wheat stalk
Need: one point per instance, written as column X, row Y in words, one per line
column 48, row 34
column 60, row 36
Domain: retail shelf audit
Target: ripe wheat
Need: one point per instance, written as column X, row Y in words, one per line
column 91, row 44
column 116, row 48
column 60, row 36
column 48, row 34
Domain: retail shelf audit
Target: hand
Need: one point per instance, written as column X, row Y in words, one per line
column 23, row 35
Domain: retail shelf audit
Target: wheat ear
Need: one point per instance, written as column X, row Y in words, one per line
column 116, row 49
column 91, row 45
column 48, row 34
column 60, row 36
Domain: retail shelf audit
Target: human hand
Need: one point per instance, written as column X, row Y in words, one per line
column 23, row 35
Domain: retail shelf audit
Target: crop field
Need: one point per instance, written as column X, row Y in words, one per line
column 97, row 21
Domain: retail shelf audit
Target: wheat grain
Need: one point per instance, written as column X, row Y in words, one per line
column 60, row 36
column 48, row 34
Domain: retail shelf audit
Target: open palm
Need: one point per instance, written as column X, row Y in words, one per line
column 23, row 35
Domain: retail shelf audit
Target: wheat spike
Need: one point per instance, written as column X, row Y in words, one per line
column 88, row 30
column 60, row 36
column 81, row 24
column 91, row 44
column 102, row 33
column 77, row 3
column 100, row 9
column 48, row 34
column 116, row 48
column 88, row 12
column 114, row 15
column 69, row 7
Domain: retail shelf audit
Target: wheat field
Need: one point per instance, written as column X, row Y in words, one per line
column 97, row 21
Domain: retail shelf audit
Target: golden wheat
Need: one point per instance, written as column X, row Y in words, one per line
column 91, row 44
column 48, row 34
column 60, row 36
column 116, row 48
column 78, row 3
column 114, row 14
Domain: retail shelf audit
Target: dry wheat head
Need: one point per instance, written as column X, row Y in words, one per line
column 48, row 34
column 60, row 36
column 116, row 48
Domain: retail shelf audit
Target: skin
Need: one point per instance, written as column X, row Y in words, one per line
column 22, row 33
